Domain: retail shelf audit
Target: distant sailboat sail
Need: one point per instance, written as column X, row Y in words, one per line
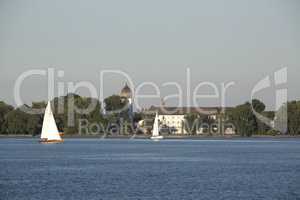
column 50, row 132
column 155, row 131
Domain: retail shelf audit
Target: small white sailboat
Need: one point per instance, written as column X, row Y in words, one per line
column 50, row 132
column 155, row 131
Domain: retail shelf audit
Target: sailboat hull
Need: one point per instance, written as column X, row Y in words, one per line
column 50, row 141
column 159, row 137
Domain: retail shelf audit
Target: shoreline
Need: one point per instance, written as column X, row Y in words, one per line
column 173, row 137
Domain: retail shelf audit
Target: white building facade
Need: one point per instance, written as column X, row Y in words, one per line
column 173, row 119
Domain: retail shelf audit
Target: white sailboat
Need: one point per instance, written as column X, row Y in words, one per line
column 50, row 132
column 155, row 131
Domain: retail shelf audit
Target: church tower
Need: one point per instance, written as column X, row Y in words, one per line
column 127, row 93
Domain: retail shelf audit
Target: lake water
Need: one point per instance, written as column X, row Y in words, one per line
column 142, row 169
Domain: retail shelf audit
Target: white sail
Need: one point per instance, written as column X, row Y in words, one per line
column 49, row 130
column 155, row 131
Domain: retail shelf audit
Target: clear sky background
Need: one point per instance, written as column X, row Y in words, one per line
column 220, row 41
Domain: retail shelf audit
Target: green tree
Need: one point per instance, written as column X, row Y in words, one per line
column 4, row 110
column 293, row 115
column 117, row 110
column 61, row 107
column 137, row 117
column 243, row 119
column 258, row 106
column 19, row 122
column 191, row 123
column 262, row 127
column 115, row 103
column 65, row 104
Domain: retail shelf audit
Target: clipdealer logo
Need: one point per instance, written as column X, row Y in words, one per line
column 279, row 123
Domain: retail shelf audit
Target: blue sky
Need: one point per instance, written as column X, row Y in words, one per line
column 220, row 41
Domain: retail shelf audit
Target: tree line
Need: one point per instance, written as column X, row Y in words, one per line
column 15, row 121
column 246, row 123
column 252, row 119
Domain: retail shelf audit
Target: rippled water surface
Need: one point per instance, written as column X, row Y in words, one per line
column 143, row 169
